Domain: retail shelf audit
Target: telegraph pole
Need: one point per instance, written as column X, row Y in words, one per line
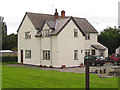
column 87, row 75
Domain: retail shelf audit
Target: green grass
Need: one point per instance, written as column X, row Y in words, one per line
column 19, row 77
column 6, row 63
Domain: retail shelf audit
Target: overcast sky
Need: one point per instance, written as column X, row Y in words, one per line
column 100, row 13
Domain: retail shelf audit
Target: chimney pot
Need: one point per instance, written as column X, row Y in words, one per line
column 62, row 14
column 56, row 14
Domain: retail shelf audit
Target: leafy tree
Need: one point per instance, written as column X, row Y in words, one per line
column 110, row 38
column 9, row 41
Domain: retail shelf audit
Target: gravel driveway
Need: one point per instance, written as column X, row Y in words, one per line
column 107, row 66
column 74, row 70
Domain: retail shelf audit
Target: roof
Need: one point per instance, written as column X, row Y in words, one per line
column 59, row 24
column 56, row 25
column 85, row 25
column 98, row 47
column 38, row 21
column 6, row 51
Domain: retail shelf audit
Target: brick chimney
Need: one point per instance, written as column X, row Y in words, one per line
column 56, row 14
column 62, row 14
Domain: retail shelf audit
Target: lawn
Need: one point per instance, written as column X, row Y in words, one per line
column 19, row 77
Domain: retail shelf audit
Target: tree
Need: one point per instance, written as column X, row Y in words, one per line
column 9, row 41
column 110, row 38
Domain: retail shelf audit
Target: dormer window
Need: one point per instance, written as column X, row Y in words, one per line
column 75, row 33
column 28, row 35
column 87, row 36
column 45, row 33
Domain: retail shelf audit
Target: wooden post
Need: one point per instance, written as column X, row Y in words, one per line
column 87, row 76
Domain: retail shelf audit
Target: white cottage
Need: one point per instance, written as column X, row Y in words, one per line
column 56, row 41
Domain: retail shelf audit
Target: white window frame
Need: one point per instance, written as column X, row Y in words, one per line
column 28, row 35
column 101, row 53
column 87, row 36
column 75, row 54
column 87, row 52
column 76, row 33
column 46, row 54
column 27, row 53
column 45, row 33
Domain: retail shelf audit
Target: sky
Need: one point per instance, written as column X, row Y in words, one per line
column 100, row 13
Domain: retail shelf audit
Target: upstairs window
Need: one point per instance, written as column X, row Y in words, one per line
column 87, row 36
column 45, row 33
column 27, row 35
column 75, row 33
column 75, row 54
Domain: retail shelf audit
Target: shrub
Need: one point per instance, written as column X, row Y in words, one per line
column 9, row 59
column 14, row 49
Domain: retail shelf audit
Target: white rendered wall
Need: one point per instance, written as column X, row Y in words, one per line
column 45, row 45
column 67, row 44
column 93, row 41
column 32, row 44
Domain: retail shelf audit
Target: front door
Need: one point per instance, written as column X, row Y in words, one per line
column 93, row 52
column 21, row 56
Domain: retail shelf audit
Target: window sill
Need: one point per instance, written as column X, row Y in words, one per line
column 27, row 38
column 87, row 39
column 76, row 37
column 76, row 59
column 45, row 59
column 27, row 58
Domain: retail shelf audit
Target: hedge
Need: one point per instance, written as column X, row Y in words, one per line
column 9, row 59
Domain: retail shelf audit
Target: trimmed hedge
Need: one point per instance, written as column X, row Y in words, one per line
column 9, row 59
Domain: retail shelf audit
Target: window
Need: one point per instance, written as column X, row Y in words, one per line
column 87, row 36
column 75, row 33
column 87, row 52
column 27, row 53
column 119, row 27
column 46, row 55
column 75, row 54
column 101, row 52
column 27, row 35
column 45, row 33
column 93, row 52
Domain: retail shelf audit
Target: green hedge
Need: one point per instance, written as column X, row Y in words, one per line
column 9, row 59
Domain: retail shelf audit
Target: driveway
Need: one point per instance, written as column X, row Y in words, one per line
column 107, row 66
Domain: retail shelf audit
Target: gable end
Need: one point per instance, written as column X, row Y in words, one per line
column 21, row 22
column 71, row 18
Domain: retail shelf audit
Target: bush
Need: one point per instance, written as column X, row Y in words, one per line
column 14, row 49
column 10, row 59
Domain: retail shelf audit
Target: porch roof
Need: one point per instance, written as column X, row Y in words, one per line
column 98, row 47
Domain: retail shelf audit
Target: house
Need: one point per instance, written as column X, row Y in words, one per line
column 56, row 41
column 118, row 50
